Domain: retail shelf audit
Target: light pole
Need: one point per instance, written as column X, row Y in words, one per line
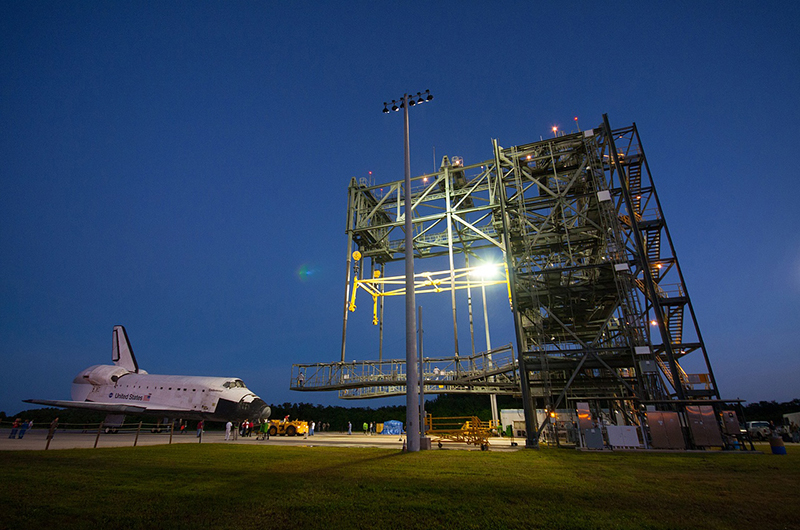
column 413, row 427
column 484, row 272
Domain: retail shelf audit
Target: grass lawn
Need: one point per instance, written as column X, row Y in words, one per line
column 235, row 486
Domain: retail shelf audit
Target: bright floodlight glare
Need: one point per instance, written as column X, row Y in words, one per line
column 484, row 271
column 555, row 128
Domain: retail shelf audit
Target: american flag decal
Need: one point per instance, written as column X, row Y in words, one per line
column 147, row 397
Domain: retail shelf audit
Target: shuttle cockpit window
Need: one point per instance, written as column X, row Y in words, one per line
column 236, row 383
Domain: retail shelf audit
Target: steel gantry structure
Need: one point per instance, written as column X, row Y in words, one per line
column 598, row 299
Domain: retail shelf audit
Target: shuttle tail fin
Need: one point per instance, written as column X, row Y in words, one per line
column 121, row 351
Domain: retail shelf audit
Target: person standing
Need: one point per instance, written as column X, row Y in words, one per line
column 53, row 427
column 313, row 424
column 265, row 430
column 51, row 432
column 228, row 427
column 199, row 428
column 349, row 428
column 24, row 427
column 366, row 428
column 15, row 428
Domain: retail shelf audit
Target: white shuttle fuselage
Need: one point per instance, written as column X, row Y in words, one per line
column 123, row 388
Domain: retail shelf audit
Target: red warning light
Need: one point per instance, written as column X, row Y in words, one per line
column 576, row 118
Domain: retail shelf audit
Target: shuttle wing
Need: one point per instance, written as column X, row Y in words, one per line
column 116, row 408
column 89, row 405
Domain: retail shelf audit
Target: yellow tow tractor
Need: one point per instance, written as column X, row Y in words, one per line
column 285, row 427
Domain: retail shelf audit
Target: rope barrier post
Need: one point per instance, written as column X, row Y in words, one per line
column 136, row 440
column 99, row 430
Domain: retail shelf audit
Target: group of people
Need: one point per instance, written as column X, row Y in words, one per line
column 19, row 428
column 247, row 428
column 789, row 432
column 321, row 426
column 369, row 428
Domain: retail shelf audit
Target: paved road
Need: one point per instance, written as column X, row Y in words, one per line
column 36, row 440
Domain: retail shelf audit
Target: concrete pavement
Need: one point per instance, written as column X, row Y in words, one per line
column 36, row 440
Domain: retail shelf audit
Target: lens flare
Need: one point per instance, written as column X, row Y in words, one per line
column 306, row 272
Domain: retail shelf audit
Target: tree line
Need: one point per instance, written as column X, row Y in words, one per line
column 337, row 417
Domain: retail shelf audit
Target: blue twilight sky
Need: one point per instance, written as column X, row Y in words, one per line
column 181, row 168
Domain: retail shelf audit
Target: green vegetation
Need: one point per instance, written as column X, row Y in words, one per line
column 237, row 486
column 770, row 411
column 336, row 416
column 440, row 406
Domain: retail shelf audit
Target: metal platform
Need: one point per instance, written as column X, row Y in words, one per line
column 493, row 372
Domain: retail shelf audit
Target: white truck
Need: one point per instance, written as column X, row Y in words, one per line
column 759, row 430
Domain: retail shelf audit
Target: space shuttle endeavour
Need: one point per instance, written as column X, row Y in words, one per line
column 124, row 388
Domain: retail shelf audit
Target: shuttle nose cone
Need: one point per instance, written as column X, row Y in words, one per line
column 255, row 409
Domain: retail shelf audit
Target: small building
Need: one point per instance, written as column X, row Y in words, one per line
column 791, row 417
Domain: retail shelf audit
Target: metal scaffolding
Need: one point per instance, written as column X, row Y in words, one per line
column 598, row 298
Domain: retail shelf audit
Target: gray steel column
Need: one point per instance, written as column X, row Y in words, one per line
column 412, row 379
column 492, row 397
column 529, row 407
column 449, row 215
column 348, row 264
column 380, row 322
column 469, row 307
column 421, row 380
